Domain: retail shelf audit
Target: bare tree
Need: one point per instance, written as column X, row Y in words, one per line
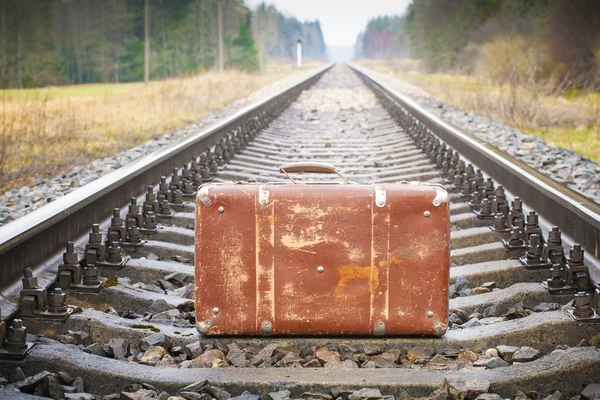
column 146, row 42
column 220, row 33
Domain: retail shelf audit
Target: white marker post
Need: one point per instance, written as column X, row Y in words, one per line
column 299, row 53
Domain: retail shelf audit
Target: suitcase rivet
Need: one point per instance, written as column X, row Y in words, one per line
column 426, row 214
column 430, row 314
column 320, row 269
column 221, row 209
column 216, row 310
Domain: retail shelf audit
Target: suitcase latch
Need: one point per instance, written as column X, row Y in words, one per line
column 380, row 197
column 263, row 195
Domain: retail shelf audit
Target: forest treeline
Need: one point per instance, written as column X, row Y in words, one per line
column 558, row 39
column 55, row 42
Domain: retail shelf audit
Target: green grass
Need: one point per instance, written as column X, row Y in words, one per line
column 99, row 90
column 582, row 141
column 568, row 119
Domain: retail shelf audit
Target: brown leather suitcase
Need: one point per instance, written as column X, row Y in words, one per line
column 322, row 259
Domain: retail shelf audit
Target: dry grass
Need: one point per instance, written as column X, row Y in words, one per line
column 569, row 119
column 45, row 131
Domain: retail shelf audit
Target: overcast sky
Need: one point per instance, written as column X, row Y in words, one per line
column 341, row 20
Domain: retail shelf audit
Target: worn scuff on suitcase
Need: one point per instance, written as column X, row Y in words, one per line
column 322, row 259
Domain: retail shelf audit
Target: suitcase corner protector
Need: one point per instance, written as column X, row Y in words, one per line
column 439, row 328
column 203, row 195
column 441, row 196
column 203, row 326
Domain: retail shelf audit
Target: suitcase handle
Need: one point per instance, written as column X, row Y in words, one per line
column 319, row 168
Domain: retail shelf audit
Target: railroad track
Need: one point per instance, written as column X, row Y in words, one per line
column 133, row 329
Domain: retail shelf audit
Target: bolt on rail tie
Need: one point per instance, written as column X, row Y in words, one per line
column 101, row 253
column 13, row 341
column 586, row 307
column 37, row 303
column 73, row 277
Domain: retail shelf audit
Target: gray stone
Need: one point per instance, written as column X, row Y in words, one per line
column 591, row 392
column 365, row 394
column 153, row 288
column 496, row 362
column 179, row 279
column 82, row 337
column 195, row 396
column 55, row 390
column 96, row 349
column 216, row 392
column 314, row 363
column 440, row 394
column 554, row 396
column 440, row 360
column 169, row 315
column 373, row 349
column 489, row 396
column 159, row 306
column 280, row 395
column 316, row 396
column 506, row 352
column 369, row 364
column 341, row 364
column 491, row 311
column 461, row 283
column 87, row 396
column 155, row 339
column 187, row 291
column 180, row 259
column 78, row 384
column 455, row 319
column 29, row 384
column 142, row 394
column 471, row 323
column 246, row 396
column 461, row 388
column 543, row 307
column 117, row 348
column 341, row 392
column 525, row 354
column 192, row 350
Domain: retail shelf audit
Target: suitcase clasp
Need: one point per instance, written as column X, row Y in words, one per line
column 263, row 195
column 380, row 196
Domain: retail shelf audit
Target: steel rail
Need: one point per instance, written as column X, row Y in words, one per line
column 34, row 238
column 576, row 215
